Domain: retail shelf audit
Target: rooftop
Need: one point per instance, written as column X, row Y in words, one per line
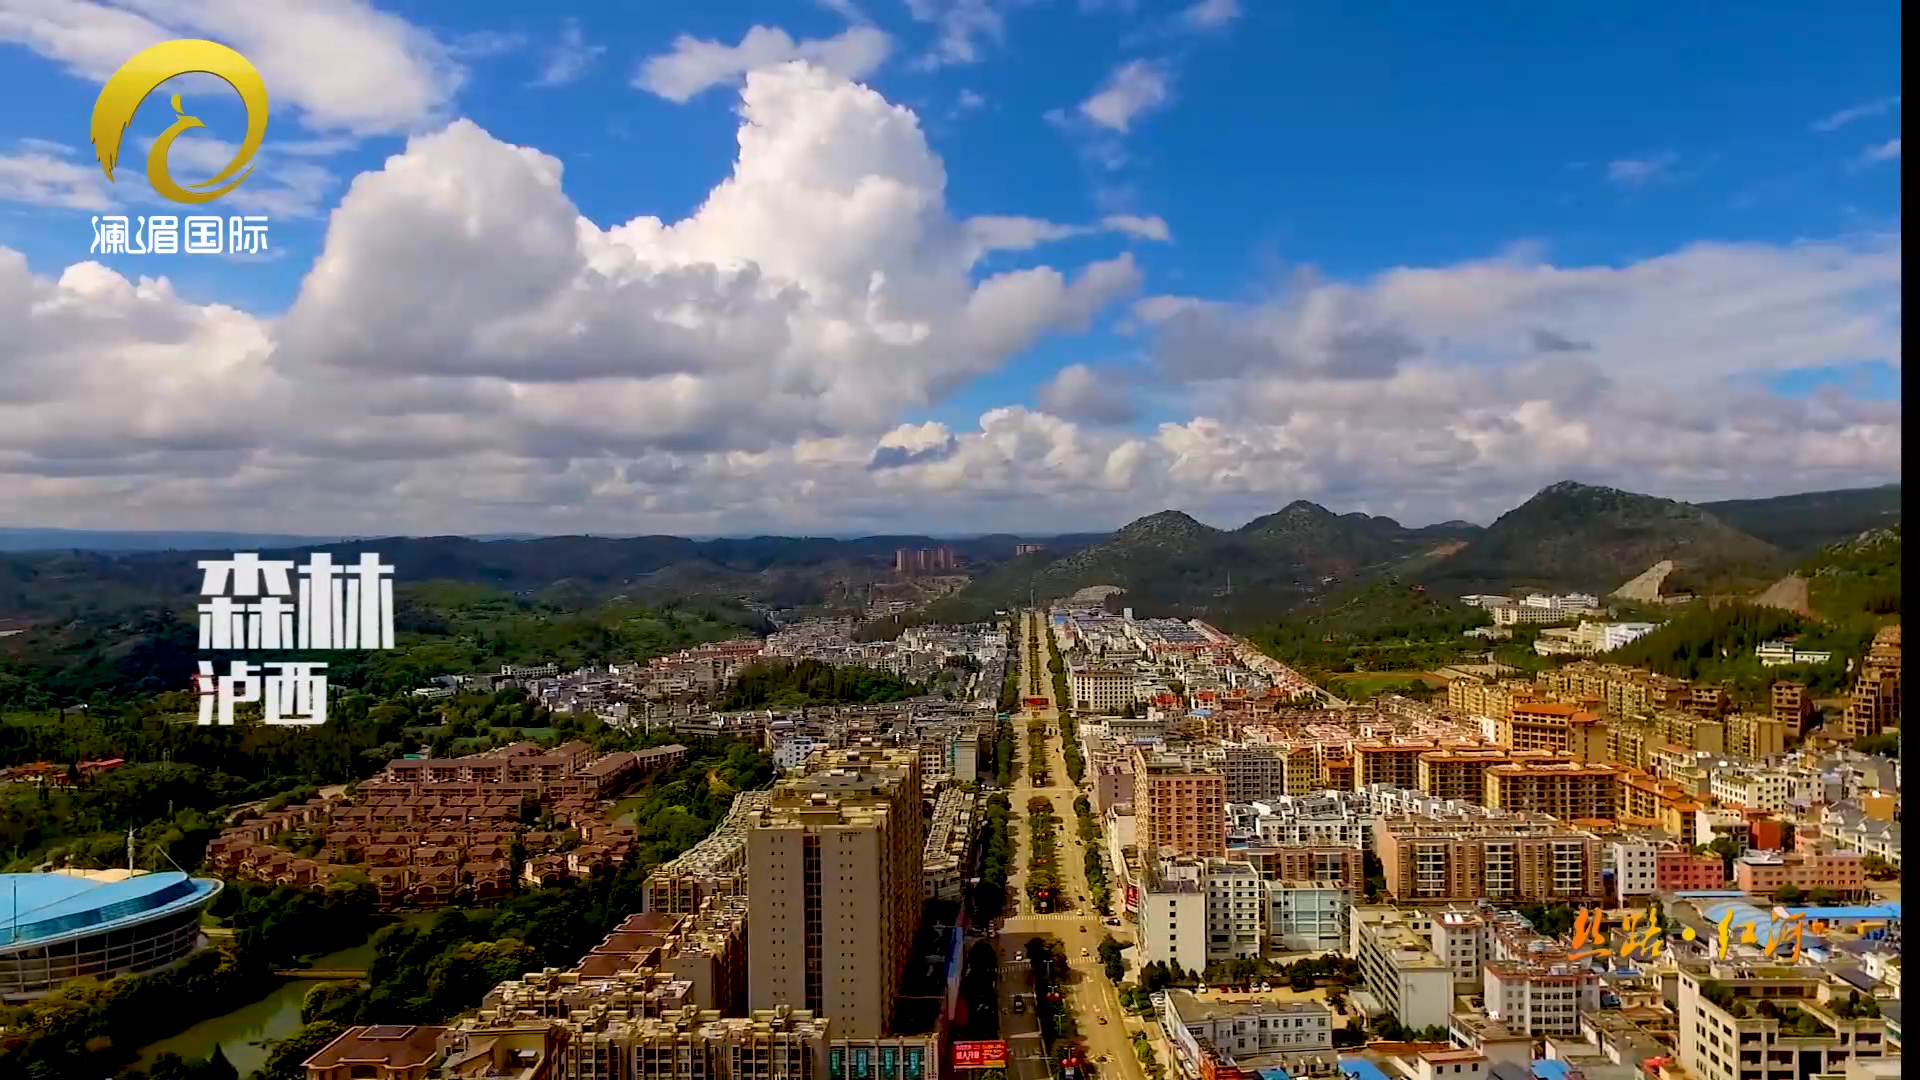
column 38, row 906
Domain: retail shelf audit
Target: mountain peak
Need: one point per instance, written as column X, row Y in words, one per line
column 1164, row 523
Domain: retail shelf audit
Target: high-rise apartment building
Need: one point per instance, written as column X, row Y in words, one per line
column 1741, row 1020
column 1756, row 735
column 1254, row 773
column 1179, row 807
column 1874, row 705
column 1461, row 773
column 1792, row 705
column 1568, row 791
column 835, row 877
column 1543, row 725
column 1514, row 860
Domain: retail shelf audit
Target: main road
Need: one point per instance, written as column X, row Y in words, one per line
column 1078, row 927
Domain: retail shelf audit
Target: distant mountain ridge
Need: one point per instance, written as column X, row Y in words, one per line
column 1567, row 536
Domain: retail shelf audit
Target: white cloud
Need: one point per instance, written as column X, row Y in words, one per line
column 39, row 175
column 1836, row 121
column 1886, row 151
column 1134, row 88
column 963, row 26
column 1080, row 393
column 968, row 100
column 1210, row 14
column 468, row 353
column 569, row 58
column 1639, row 172
column 341, row 64
column 1144, row 227
column 696, row 65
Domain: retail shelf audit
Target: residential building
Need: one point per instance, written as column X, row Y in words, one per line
column 1636, row 869
column 1324, row 819
column 714, row 867
column 1757, row 735
column 1178, row 807
column 1474, row 696
column 378, row 1052
column 1510, row 859
column 1236, row 902
column 1618, row 690
column 1173, row 914
column 1763, row 872
column 1342, row 866
column 1568, row 792
column 1874, row 705
column 1863, row 826
column 1100, row 687
column 1539, row 998
column 1388, row 762
column 1543, row 725
column 1398, row 966
column 1307, row 916
column 1461, row 772
column 1792, row 705
column 834, row 870
column 1460, row 941
column 1740, row 1020
column 1782, row 653
column 1768, row 789
column 1678, row 869
column 1254, row 773
column 1245, row 1028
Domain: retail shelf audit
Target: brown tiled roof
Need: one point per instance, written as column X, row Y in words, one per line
column 392, row 1045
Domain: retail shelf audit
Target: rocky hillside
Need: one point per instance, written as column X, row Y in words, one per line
column 1595, row 538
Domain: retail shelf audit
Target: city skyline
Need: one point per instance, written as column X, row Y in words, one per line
column 948, row 269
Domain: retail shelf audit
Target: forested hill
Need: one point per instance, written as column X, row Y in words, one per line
column 788, row 684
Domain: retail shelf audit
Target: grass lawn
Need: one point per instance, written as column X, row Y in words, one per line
column 1357, row 686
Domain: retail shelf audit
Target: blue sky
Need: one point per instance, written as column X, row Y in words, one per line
column 1279, row 143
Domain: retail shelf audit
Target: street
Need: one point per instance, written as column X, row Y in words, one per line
column 1079, row 928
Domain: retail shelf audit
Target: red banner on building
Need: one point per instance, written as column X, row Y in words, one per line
column 985, row 1054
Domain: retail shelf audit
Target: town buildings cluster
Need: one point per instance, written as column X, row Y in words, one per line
column 1244, row 814
column 429, row 832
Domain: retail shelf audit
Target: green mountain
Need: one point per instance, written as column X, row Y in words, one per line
column 1568, row 536
column 1574, row 535
column 1169, row 563
column 1803, row 524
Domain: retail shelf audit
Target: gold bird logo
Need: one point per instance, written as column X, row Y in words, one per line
column 121, row 97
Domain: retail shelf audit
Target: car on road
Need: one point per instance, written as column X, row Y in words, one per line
column 1103, row 1020
column 1083, row 952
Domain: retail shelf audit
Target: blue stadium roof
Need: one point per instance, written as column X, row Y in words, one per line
column 1744, row 914
column 1888, row 910
column 34, row 907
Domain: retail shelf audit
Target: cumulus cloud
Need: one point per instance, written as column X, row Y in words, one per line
column 696, row 65
column 340, row 64
column 1080, row 393
column 1134, row 88
column 469, row 353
